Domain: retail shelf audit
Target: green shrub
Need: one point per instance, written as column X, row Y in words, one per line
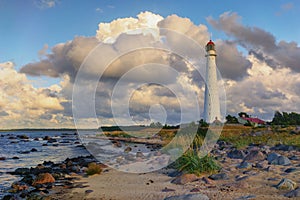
column 93, row 168
column 190, row 162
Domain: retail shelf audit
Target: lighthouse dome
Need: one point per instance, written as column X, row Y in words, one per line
column 210, row 46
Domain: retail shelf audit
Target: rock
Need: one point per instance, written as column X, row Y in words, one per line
column 236, row 154
column 262, row 164
column 294, row 157
column 18, row 186
column 2, row 158
column 281, row 160
column 255, row 155
column 167, row 190
column 195, row 190
column 293, row 193
column 207, row 181
column 244, row 165
column 47, row 137
column 89, row 191
column 24, row 137
column 272, row 156
column 117, row 144
column 15, row 158
column 246, row 197
column 139, row 154
column 188, row 197
column 220, row 176
column 241, row 178
column 33, row 150
column 127, row 149
column 286, row 184
column 43, row 178
column 185, row 178
column 8, row 197
column 291, row 170
column 21, row 171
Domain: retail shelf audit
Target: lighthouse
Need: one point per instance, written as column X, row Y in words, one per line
column 211, row 99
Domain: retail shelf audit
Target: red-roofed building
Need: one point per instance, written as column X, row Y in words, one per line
column 253, row 121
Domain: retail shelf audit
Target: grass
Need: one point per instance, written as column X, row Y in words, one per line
column 190, row 162
column 93, row 168
column 272, row 137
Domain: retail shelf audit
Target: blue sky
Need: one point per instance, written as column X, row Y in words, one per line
column 43, row 42
column 26, row 26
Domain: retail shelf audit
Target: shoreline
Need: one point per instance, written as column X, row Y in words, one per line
column 258, row 180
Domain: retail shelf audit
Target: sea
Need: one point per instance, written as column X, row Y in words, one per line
column 33, row 151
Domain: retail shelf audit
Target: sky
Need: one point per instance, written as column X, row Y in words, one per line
column 44, row 44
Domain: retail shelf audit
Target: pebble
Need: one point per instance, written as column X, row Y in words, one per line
column 188, row 197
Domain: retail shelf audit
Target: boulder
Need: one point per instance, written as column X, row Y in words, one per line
column 281, row 160
column 188, row 197
column 293, row 193
column 255, row 155
column 220, row 176
column 244, row 165
column 286, row 184
column 236, row 154
column 272, row 156
column 127, row 149
column 185, row 178
column 43, row 178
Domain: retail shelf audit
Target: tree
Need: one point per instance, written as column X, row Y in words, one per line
column 231, row 119
column 285, row 118
column 243, row 114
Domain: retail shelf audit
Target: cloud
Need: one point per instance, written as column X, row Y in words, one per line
column 259, row 42
column 100, row 10
column 44, row 4
column 255, row 82
column 21, row 103
column 285, row 8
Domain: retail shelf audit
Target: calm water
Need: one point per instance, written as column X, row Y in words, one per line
column 10, row 146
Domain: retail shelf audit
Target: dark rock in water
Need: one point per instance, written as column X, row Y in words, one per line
column 12, row 138
column 47, row 137
column 21, row 171
column 188, row 197
column 45, row 144
column 221, row 176
column 139, row 154
column 255, row 155
column 27, row 179
column 24, row 152
column 236, row 154
column 2, row 158
column 43, row 178
column 25, row 137
column 36, row 139
column 48, row 163
column 33, row 150
column 15, row 158
column 293, row 193
column 8, row 197
column 127, row 149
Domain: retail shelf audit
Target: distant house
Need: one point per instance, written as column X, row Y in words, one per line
column 253, row 121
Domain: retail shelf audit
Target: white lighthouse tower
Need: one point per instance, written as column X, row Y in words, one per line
column 211, row 101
